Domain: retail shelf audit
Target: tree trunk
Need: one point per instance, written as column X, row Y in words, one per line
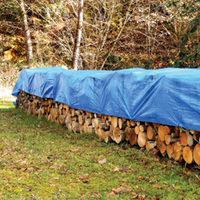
column 78, row 35
column 29, row 48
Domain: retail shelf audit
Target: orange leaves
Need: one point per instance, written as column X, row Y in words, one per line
column 73, row 150
column 121, row 190
column 158, row 186
column 116, row 169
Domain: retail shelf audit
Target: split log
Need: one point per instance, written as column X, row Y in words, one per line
column 142, row 139
column 177, row 151
column 137, row 130
column 81, row 119
column 114, row 121
column 150, row 145
column 105, row 135
column 121, row 123
column 196, row 153
column 142, row 128
column 188, row 154
column 169, row 139
column 97, row 121
column 163, row 131
column 127, row 132
column 61, row 119
column 183, row 138
column 190, row 140
column 161, row 145
column 75, row 126
column 104, row 126
column 133, row 137
column 111, row 132
column 151, row 133
column 118, row 135
column 88, row 121
column 170, row 150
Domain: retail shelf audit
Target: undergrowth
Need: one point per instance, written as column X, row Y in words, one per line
column 43, row 160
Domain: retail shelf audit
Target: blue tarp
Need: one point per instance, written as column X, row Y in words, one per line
column 168, row 96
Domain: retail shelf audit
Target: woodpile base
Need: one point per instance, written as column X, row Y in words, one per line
column 169, row 140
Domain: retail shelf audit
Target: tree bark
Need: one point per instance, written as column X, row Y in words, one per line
column 78, row 35
column 29, row 48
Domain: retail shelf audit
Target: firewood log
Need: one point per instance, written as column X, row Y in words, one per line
column 81, row 119
column 190, row 140
column 88, row 121
column 150, row 145
column 137, row 130
column 142, row 128
column 97, row 121
column 175, row 134
column 105, row 135
column 133, row 123
column 162, row 131
column 128, row 123
column 151, row 133
column 127, row 132
column 111, row 132
column 75, row 126
column 114, row 121
column 188, row 154
column 169, row 139
column 89, row 129
column 118, row 135
column 161, row 145
column 196, row 153
column 142, row 139
column 133, row 137
column 177, row 151
column 183, row 138
column 103, row 118
column 104, row 126
column 169, row 150
column 61, row 119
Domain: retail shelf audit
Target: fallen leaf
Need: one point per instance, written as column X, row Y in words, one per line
column 140, row 178
column 28, row 169
column 155, row 197
column 117, row 190
column 111, row 194
column 124, row 184
column 134, row 195
column 24, row 162
column 116, row 169
column 197, row 182
column 73, row 150
column 141, row 196
column 121, row 189
column 83, row 177
column 157, row 186
column 155, row 151
column 102, row 160
column 186, row 173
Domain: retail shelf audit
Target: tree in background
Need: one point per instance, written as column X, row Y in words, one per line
column 29, row 48
column 78, row 35
column 115, row 33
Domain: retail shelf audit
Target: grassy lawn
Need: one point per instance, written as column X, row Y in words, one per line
column 42, row 160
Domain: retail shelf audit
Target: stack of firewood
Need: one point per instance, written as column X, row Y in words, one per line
column 169, row 140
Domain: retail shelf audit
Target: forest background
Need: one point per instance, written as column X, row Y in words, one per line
column 98, row 34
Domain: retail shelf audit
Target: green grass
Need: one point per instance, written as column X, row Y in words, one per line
column 42, row 160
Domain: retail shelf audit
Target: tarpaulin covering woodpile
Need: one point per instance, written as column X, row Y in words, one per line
column 168, row 96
